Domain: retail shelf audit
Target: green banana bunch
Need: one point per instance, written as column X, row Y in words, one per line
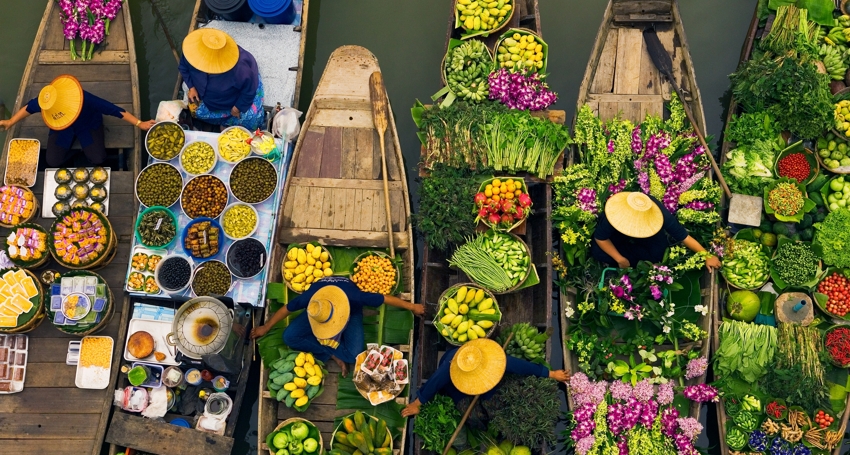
column 836, row 35
column 527, row 343
column 467, row 69
column 833, row 60
column 843, row 21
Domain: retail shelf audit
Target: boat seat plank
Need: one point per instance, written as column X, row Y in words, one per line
column 630, row 111
column 116, row 137
column 163, row 438
column 108, row 120
column 650, row 78
column 334, row 237
column 318, row 413
column 331, row 153
column 351, row 214
column 295, row 208
column 627, row 73
column 315, row 199
column 367, row 208
column 344, row 183
column 340, row 196
column 379, row 212
column 346, row 118
column 642, row 11
column 46, row 426
column 62, row 57
column 327, row 214
column 36, row 447
column 364, row 155
column 608, row 110
column 53, row 401
column 89, row 73
column 116, row 92
column 603, row 82
column 310, row 160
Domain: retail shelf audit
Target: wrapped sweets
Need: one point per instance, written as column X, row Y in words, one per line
column 27, row 244
column 79, row 237
column 16, row 204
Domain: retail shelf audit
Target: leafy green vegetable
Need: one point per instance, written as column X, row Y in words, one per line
column 820, row 11
column 833, row 236
column 525, row 418
column 745, row 349
column 446, row 206
column 748, row 167
column 436, row 421
column 797, row 389
column 747, row 128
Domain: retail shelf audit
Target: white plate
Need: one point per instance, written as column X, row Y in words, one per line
column 157, row 329
column 79, row 380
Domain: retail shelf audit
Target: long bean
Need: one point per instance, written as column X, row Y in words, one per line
column 480, row 266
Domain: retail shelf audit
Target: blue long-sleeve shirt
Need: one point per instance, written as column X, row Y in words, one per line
column 220, row 92
column 441, row 380
column 90, row 118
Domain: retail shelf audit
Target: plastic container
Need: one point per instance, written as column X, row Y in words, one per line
column 189, row 376
column 156, row 274
column 274, row 11
column 220, row 383
column 154, row 374
column 168, row 371
column 181, row 422
column 231, row 10
column 143, row 399
column 256, row 215
column 83, row 306
column 138, row 375
column 139, row 220
column 221, row 136
column 207, row 171
column 213, row 223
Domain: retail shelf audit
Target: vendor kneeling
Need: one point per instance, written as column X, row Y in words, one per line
column 634, row 227
column 476, row 368
column 332, row 325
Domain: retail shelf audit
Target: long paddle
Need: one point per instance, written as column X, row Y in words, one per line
column 469, row 409
column 743, row 209
column 380, row 116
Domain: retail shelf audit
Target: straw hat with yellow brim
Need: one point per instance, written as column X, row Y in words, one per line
column 211, row 51
column 634, row 214
column 478, row 366
column 328, row 312
column 61, row 102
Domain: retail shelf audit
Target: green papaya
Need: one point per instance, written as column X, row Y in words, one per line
column 277, row 363
column 817, row 199
column 312, row 391
column 357, row 440
column 289, row 401
column 364, row 429
column 282, row 394
column 476, row 316
column 274, row 374
column 272, row 387
column 345, row 449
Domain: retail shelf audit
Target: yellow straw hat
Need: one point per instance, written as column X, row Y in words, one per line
column 61, row 102
column 634, row 214
column 211, row 51
column 328, row 312
column 478, row 366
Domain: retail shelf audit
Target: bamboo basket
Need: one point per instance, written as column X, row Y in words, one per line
column 397, row 286
column 292, row 420
column 302, row 245
column 107, row 255
column 38, row 318
column 32, row 264
column 340, row 426
column 524, row 31
column 35, row 208
column 452, row 290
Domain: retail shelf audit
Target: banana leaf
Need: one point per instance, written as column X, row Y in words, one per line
column 349, row 398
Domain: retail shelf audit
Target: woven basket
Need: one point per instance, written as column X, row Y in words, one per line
column 337, row 429
column 452, row 290
column 292, row 420
column 31, row 264
column 524, row 31
column 397, row 287
column 107, row 254
column 302, row 245
column 485, row 33
column 35, row 207
column 483, row 187
column 38, row 318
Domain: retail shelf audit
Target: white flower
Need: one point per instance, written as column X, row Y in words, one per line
column 702, row 309
column 661, row 303
column 569, row 311
column 670, row 314
column 666, row 329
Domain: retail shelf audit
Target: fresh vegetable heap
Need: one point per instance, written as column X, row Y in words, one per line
column 509, row 253
column 823, row 419
column 746, row 266
column 296, row 379
column 736, row 438
column 297, row 438
column 838, row 194
column 466, row 315
column 502, row 204
column 375, row 273
column 776, row 410
column 481, row 15
column 833, row 151
column 745, row 349
column 527, row 343
column 837, row 343
column 748, row 167
column 521, row 53
column 837, row 288
column 436, row 421
column 785, row 199
column 834, row 237
column 833, row 61
column 525, row 410
column 758, row 441
column 355, row 434
column 477, row 262
column 467, row 68
column 795, row 263
column 795, row 166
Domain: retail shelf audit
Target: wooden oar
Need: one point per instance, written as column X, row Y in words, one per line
column 469, row 409
column 380, row 116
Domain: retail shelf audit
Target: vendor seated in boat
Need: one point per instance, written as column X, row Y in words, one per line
column 331, row 327
column 476, row 368
column 72, row 113
column 635, row 227
column 222, row 79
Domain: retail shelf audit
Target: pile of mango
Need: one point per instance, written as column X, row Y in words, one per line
column 355, row 435
column 303, row 266
column 296, row 379
column 520, row 52
column 475, row 16
column 466, row 315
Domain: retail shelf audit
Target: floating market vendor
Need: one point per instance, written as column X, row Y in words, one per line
column 476, row 368
column 635, row 227
column 223, row 78
column 331, row 327
column 72, row 113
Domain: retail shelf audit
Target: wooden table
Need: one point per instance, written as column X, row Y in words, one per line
column 52, row 413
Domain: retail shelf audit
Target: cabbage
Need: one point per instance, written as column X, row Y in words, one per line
column 749, row 167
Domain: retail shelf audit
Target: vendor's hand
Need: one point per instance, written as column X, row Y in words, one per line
column 560, row 375
column 623, row 263
column 193, row 96
column 259, row 331
column 147, row 125
column 712, row 263
column 5, row 124
column 234, row 112
column 418, row 309
column 411, row 409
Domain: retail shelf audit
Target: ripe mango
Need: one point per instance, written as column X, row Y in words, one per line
column 300, row 269
column 479, row 296
column 300, row 383
column 471, row 334
column 309, row 279
column 290, row 264
column 456, row 321
column 462, row 338
column 299, row 278
column 463, row 327
column 317, row 253
column 301, row 401
column 309, row 270
column 327, row 272
column 292, row 254
column 298, row 393
column 299, row 360
column 461, row 294
column 288, row 275
column 290, row 386
column 302, row 256
column 463, row 309
column 479, row 330
column 310, row 260
column 485, row 304
column 314, row 380
column 448, row 318
column 470, row 296
column 317, row 273
column 300, row 372
column 310, row 247
column 308, row 358
column 323, row 256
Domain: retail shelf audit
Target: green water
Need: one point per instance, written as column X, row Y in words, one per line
column 407, row 37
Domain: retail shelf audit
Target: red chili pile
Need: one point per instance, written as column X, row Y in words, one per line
column 795, row 166
column 776, row 410
column 837, row 288
column 823, row 419
column 838, row 345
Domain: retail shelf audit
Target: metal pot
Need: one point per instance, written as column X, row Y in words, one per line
column 201, row 327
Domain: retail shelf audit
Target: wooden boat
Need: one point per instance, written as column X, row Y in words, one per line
column 533, row 304
column 621, row 79
column 52, row 413
column 334, row 195
column 754, row 32
column 132, row 431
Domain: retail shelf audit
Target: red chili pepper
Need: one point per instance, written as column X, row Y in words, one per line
column 838, row 345
column 775, row 410
column 795, row 166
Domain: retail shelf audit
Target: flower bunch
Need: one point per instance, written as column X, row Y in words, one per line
column 696, row 367
column 522, row 91
column 89, row 20
column 701, row 393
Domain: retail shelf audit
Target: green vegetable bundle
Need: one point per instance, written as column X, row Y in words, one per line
column 525, row 410
column 833, row 236
column 746, row 266
column 436, row 421
column 493, row 260
column 745, row 349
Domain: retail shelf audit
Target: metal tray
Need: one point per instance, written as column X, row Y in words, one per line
column 146, row 273
column 49, row 198
column 78, row 379
column 158, row 330
column 37, row 159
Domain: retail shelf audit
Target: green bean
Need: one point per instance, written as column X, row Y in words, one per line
column 480, row 266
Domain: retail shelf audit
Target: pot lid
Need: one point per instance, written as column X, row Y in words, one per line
column 202, row 326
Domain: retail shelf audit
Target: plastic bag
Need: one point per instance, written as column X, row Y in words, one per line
column 169, row 111
column 286, row 124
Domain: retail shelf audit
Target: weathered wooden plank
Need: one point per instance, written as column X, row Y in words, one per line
column 36, row 447
column 650, row 79
column 617, row 98
column 367, row 208
column 345, row 183
column 295, row 206
column 50, row 350
column 364, row 154
column 310, row 157
column 50, row 374
column 318, row 412
column 327, row 213
column 116, row 137
column 47, row 426
column 345, row 118
column 315, row 198
column 53, row 38
column 53, row 400
column 627, row 74
column 666, row 36
column 49, row 57
column 128, row 430
column 355, row 104
column 88, row 73
column 398, row 208
column 366, row 239
column 350, row 214
column 608, row 110
column 630, row 111
column 353, row 223
column 340, row 195
column 654, row 108
column 603, row 81
column 392, row 162
column 331, row 153
column 349, row 149
column 379, row 212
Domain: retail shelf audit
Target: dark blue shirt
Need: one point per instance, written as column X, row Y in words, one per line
column 441, row 381
column 90, row 119
column 220, row 92
column 357, row 299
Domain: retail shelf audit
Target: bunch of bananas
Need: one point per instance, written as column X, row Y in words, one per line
column 355, row 435
column 467, row 69
column 481, row 15
column 527, row 343
column 833, row 59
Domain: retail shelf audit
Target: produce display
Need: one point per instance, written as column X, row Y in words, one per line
column 496, row 261
column 521, row 52
column 503, row 205
column 745, row 349
column 253, row 180
column 143, row 264
column 202, row 238
column 832, row 151
column 26, row 244
column 16, row 205
column 22, row 162
column 795, row 166
column 527, row 343
column 159, row 184
column 380, row 373
column 475, row 16
column 786, row 200
column 156, row 227
column 436, row 421
column 165, row 140
column 174, row 273
column 837, row 193
column 375, row 272
column 211, row 278
column 746, row 266
column 303, row 266
column 80, row 237
column 204, row 196
column 296, row 379
column 14, row 353
column 466, row 313
column 247, row 257
column 233, row 145
column 239, row 221
column 364, row 433
column 837, row 344
column 17, row 291
column 198, row 158
column 300, row 437
column 795, row 264
column 835, row 287
column 467, row 67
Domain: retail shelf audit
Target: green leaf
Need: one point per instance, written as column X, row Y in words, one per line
column 820, row 11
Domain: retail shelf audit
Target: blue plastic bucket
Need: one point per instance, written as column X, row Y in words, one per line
column 231, row 10
column 274, row 11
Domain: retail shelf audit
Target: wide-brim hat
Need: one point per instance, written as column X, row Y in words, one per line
column 478, row 366
column 634, row 214
column 328, row 312
column 211, row 51
column 61, row 102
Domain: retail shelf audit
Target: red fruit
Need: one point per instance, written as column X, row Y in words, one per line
column 494, row 219
column 520, row 213
column 506, row 218
column 483, row 212
column 480, row 198
column 508, row 206
column 524, row 200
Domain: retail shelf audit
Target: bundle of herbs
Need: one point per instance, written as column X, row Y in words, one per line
column 436, row 421
column 445, row 203
column 791, row 32
column 745, row 350
column 798, row 345
column 516, row 142
column 525, row 410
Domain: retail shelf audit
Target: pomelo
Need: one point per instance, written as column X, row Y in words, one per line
column 743, row 305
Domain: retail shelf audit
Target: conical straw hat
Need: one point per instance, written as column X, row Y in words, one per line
column 211, row 51
column 634, row 214
column 61, row 102
column 478, row 366
column 328, row 312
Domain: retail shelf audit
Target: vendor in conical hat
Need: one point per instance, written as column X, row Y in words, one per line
column 222, row 79
column 72, row 114
column 331, row 326
column 476, row 368
column 636, row 227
